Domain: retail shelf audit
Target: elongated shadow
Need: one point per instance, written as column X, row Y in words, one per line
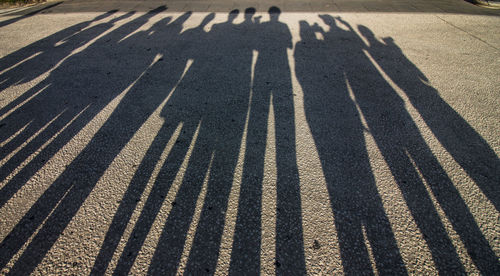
column 339, row 138
column 271, row 86
column 46, row 111
column 205, row 78
column 210, row 103
column 466, row 146
column 405, row 150
column 145, row 97
column 30, row 62
column 398, row 139
column 60, row 202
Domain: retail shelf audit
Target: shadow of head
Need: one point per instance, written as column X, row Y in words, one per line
column 249, row 13
column 232, row 15
column 274, row 13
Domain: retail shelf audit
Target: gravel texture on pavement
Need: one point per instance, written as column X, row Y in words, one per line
column 319, row 137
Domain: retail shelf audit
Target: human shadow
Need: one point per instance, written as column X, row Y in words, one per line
column 464, row 144
column 322, row 68
column 208, row 108
column 271, row 87
column 138, row 104
column 404, row 150
column 32, row 61
column 203, row 83
column 209, row 105
column 57, row 107
column 72, row 97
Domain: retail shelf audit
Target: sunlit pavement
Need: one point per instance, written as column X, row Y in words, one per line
column 178, row 137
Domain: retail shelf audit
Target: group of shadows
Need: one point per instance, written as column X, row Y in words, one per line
column 207, row 78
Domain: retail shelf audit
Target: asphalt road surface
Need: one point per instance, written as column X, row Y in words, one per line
column 220, row 137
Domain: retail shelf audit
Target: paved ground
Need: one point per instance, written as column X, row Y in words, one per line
column 168, row 137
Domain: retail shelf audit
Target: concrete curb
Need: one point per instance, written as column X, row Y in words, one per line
column 492, row 4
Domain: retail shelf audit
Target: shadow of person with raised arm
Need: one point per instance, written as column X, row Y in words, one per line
column 32, row 61
column 208, row 108
column 271, row 87
column 466, row 146
column 55, row 208
column 338, row 134
column 398, row 139
column 405, row 150
column 53, row 105
column 147, row 95
column 184, row 112
column 221, row 132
